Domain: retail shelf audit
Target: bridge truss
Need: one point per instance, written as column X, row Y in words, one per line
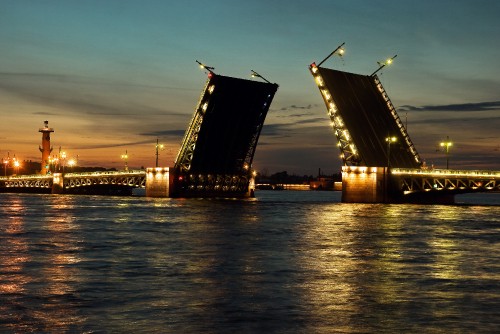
column 454, row 181
column 28, row 181
column 134, row 179
column 93, row 182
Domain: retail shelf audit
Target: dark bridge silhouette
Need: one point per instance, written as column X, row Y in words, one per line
column 380, row 161
column 216, row 154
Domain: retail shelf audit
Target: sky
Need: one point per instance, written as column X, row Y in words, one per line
column 113, row 76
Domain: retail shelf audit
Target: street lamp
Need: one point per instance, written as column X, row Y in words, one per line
column 6, row 162
column 16, row 165
column 339, row 50
column 158, row 147
column 63, row 157
column 125, row 158
column 384, row 64
column 446, row 144
column 389, row 141
column 210, row 69
column 71, row 163
column 53, row 161
column 257, row 75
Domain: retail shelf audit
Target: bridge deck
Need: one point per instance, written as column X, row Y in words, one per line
column 365, row 111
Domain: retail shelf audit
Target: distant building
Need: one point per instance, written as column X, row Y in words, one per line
column 322, row 183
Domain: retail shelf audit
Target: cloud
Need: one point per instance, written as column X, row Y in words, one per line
column 480, row 106
column 100, row 146
column 293, row 106
column 165, row 133
column 44, row 113
column 297, row 107
column 81, row 94
column 275, row 130
column 481, row 127
column 311, row 120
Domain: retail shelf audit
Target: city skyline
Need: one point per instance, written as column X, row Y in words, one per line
column 115, row 76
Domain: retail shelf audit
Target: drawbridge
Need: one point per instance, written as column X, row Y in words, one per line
column 364, row 120
column 381, row 164
column 216, row 154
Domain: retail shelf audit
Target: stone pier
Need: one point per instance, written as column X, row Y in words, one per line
column 159, row 182
column 362, row 184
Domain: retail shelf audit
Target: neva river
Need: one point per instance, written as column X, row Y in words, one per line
column 285, row 262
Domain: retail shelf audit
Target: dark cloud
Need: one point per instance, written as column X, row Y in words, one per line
column 311, row 120
column 93, row 147
column 480, row 106
column 293, row 107
column 295, row 115
column 479, row 123
column 165, row 133
column 275, row 130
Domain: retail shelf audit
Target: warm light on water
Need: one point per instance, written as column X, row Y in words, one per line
column 285, row 262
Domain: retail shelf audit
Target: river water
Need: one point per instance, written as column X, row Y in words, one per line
column 285, row 262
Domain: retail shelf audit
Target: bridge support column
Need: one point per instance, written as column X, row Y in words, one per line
column 364, row 184
column 159, row 182
column 58, row 183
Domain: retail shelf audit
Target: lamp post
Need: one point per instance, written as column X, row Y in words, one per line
column 63, row 158
column 71, row 163
column 54, row 162
column 16, row 165
column 210, row 69
column 158, row 148
column 389, row 141
column 447, row 144
column 339, row 50
column 384, row 64
column 125, row 158
column 257, row 75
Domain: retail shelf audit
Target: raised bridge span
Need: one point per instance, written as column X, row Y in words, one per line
column 381, row 164
column 219, row 144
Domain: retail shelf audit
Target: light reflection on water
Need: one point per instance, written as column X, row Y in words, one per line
column 286, row 262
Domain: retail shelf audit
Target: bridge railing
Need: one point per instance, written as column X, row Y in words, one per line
column 104, row 173
column 19, row 177
column 445, row 172
column 454, row 181
column 84, row 174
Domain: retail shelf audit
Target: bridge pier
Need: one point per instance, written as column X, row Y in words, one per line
column 159, row 182
column 57, row 183
column 362, row 184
